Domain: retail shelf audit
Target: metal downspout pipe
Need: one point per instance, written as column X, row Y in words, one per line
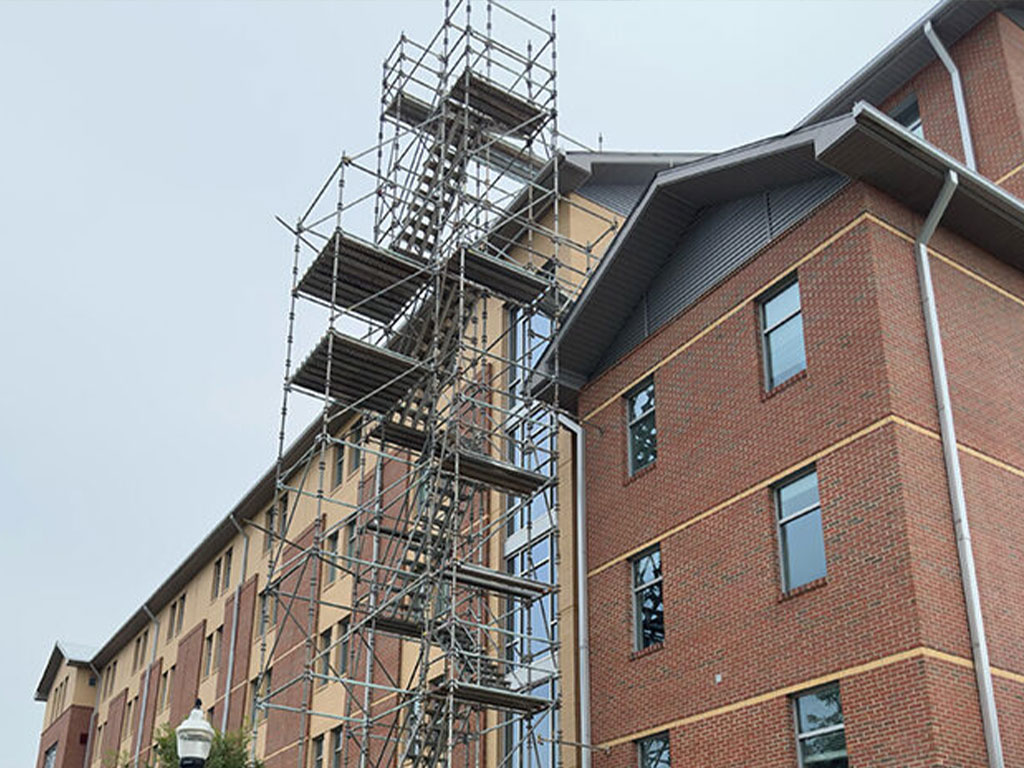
column 92, row 717
column 145, row 684
column 979, row 645
column 234, row 625
column 958, row 93
column 582, row 618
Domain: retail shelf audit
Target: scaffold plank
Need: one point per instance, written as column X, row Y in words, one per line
column 362, row 374
column 510, row 113
column 495, row 698
column 373, row 281
column 505, row 278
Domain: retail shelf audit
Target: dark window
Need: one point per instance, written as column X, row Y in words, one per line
column 643, row 438
column 801, row 542
column 318, row 752
column 908, row 114
column 820, row 734
column 339, row 464
column 648, row 607
column 783, row 329
column 331, row 545
column 654, row 752
column 336, row 747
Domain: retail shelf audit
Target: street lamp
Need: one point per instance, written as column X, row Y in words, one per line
column 195, row 737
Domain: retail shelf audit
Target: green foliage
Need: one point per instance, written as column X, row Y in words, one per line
column 229, row 750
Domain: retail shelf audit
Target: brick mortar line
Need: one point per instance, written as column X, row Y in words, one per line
column 762, row 484
column 866, row 216
column 870, row 666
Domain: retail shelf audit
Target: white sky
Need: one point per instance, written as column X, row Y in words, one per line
column 144, row 149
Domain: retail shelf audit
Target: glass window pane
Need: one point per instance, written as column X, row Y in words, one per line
column 803, row 549
column 799, row 494
column 644, row 444
column 650, row 615
column 641, row 401
column 654, row 752
column 819, row 709
column 647, row 567
column 786, row 356
column 782, row 305
column 826, row 751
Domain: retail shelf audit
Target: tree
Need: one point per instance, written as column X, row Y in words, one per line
column 229, row 750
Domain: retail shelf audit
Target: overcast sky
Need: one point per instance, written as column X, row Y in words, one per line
column 144, row 150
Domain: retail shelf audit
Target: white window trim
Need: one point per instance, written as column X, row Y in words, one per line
column 631, row 422
column 766, row 298
column 781, row 522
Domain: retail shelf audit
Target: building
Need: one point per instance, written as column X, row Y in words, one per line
column 771, row 571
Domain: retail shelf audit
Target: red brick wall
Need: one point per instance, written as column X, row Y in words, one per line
column 243, row 649
column 112, row 728
column 991, row 63
column 893, row 577
column 69, row 732
column 149, row 717
column 186, row 676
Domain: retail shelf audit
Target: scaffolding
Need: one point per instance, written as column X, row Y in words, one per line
column 427, row 594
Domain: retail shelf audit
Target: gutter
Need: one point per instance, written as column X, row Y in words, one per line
column 968, row 576
column 92, row 717
column 958, row 93
column 234, row 624
column 145, row 684
column 582, row 610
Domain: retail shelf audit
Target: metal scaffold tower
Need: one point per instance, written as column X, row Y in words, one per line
column 421, row 603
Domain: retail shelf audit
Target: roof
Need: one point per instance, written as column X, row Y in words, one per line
column 76, row 655
column 899, row 61
column 864, row 144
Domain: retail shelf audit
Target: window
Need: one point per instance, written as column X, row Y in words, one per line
column 648, row 608
column 654, row 751
column 341, row 651
column 801, row 543
column 350, row 538
column 336, row 747
column 260, row 692
column 331, row 543
column 318, row 752
column 181, row 615
column 643, row 438
column 354, row 454
column 325, row 655
column 50, row 757
column 820, row 735
column 170, row 684
column 170, row 623
column 208, row 655
column 277, row 522
column 227, row 571
column 215, row 586
column 135, row 655
column 218, row 642
column 908, row 114
column 161, row 694
column 339, row 464
column 783, row 330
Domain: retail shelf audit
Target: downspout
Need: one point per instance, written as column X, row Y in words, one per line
column 93, row 716
column 958, row 93
column 582, row 619
column 145, row 683
column 234, row 624
column 979, row 646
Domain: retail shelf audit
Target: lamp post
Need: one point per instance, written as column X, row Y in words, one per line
column 195, row 737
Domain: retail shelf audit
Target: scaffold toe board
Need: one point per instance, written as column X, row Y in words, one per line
column 509, row 112
column 396, row 626
column 497, row 581
column 361, row 374
column 495, row 698
column 370, row 280
column 499, row 475
column 504, row 278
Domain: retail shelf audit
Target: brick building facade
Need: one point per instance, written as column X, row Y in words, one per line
column 771, row 569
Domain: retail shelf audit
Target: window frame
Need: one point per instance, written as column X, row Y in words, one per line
column 632, row 421
column 636, row 589
column 338, row 472
column 781, row 522
column 801, row 736
column 901, row 111
column 762, row 310
column 331, row 556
